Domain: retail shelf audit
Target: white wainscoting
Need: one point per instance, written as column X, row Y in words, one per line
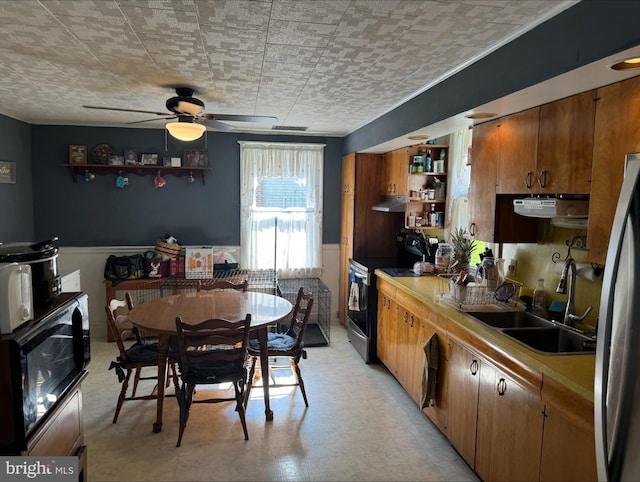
column 90, row 261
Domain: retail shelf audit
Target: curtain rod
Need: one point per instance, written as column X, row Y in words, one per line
column 280, row 144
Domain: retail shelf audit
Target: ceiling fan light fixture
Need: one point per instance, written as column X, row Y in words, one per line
column 185, row 131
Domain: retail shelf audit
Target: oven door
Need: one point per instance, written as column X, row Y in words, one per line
column 358, row 300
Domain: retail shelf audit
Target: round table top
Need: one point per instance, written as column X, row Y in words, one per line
column 160, row 315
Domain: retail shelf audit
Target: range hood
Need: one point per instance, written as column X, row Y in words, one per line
column 552, row 208
column 391, row 204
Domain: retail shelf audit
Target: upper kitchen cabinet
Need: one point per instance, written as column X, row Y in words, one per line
column 548, row 149
column 491, row 216
column 482, row 191
column 617, row 132
column 517, row 151
column 394, row 173
column 565, row 145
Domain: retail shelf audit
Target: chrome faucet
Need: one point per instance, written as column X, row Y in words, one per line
column 569, row 275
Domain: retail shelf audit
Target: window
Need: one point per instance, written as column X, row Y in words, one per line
column 281, row 207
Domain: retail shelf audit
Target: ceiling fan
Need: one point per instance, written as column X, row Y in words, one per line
column 191, row 120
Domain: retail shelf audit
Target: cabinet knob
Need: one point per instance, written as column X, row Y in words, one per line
column 472, row 229
column 527, row 180
column 502, row 387
column 411, row 321
column 405, row 317
column 542, row 178
column 394, row 188
column 389, row 188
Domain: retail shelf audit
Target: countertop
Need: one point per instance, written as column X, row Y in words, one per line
column 576, row 372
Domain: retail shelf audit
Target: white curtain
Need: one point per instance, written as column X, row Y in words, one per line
column 294, row 247
column 459, row 179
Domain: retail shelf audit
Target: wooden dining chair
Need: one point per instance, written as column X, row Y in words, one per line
column 134, row 358
column 288, row 344
column 223, row 361
column 223, row 285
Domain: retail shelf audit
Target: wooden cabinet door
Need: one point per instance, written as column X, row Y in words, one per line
column 617, row 132
column 349, row 173
column 518, row 152
column 346, row 232
column 437, row 413
column 408, row 324
column 464, row 380
column 568, row 422
column 565, row 147
column 482, row 192
column 386, row 346
column 560, row 433
column 509, row 430
column 394, row 173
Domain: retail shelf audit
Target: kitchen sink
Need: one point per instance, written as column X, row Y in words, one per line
column 556, row 340
column 538, row 334
column 510, row 319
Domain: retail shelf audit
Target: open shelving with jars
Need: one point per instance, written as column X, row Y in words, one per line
column 426, row 186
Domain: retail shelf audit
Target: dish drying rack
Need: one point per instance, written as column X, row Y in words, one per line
column 474, row 296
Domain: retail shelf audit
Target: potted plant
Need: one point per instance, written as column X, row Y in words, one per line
column 462, row 249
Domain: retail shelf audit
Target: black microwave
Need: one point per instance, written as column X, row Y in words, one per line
column 39, row 362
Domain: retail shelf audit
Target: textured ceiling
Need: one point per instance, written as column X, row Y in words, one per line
column 331, row 66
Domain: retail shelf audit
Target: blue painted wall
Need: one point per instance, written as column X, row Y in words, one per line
column 99, row 214
column 16, row 200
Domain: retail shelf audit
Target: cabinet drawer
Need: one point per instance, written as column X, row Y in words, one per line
column 386, row 288
column 62, row 434
column 409, row 303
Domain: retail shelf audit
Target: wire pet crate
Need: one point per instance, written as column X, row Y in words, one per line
column 262, row 281
column 319, row 325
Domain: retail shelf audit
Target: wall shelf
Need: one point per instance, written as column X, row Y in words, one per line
column 140, row 170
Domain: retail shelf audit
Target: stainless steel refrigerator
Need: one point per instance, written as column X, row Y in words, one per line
column 617, row 379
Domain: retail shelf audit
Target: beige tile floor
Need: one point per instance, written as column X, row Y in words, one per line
column 360, row 426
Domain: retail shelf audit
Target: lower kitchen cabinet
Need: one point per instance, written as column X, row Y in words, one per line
column 509, row 428
column 464, row 382
column 494, row 423
column 568, row 446
column 408, row 324
column 506, row 420
column 430, row 324
column 387, row 339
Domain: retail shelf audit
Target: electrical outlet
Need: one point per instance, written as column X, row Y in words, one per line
column 511, row 268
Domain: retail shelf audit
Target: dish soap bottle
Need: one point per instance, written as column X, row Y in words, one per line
column 539, row 296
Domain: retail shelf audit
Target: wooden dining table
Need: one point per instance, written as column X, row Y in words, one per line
column 159, row 317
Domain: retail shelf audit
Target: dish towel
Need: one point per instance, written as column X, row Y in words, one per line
column 354, row 297
column 430, row 372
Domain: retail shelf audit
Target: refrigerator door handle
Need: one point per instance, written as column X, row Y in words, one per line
column 617, row 359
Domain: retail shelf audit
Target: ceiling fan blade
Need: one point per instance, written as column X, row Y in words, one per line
column 124, row 110
column 154, row 119
column 220, row 126
column 261, row 119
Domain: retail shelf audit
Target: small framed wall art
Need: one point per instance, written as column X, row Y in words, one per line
column 149, row 159
column 116, row 160
column 130, row 157
column 195, row 158
column 77, row 154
